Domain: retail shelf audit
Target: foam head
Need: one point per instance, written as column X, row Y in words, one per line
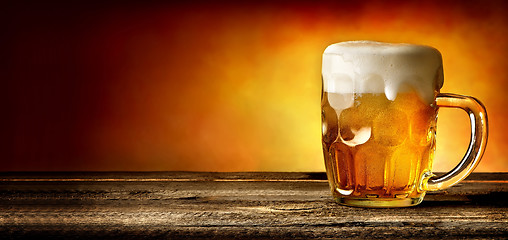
column 375, row 67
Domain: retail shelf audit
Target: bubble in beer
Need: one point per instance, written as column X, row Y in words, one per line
column 391, row 128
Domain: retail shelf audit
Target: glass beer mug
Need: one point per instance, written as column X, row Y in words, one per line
column 379, row 111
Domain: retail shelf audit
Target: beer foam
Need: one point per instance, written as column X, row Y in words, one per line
column 376, row 67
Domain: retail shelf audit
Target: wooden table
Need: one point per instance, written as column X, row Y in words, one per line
column 235, row 206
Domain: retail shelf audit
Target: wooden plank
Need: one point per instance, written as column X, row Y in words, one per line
column 200, row 176
column 235, row 205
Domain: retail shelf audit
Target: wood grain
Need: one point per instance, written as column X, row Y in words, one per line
column 176, row 205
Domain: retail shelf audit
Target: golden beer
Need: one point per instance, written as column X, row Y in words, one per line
column 379, row 107
column 377, row 148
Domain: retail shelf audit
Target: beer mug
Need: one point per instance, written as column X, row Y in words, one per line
column 379, row 108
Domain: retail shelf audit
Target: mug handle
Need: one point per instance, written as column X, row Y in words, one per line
column 479, row 131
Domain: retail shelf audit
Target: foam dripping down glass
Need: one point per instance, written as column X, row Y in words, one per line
column 379, row 108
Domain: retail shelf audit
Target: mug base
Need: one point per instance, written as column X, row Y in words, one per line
column 379, row 202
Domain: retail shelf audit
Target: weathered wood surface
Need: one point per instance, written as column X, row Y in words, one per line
column 177, row 205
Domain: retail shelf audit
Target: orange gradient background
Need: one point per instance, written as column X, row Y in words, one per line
column 221, row 86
